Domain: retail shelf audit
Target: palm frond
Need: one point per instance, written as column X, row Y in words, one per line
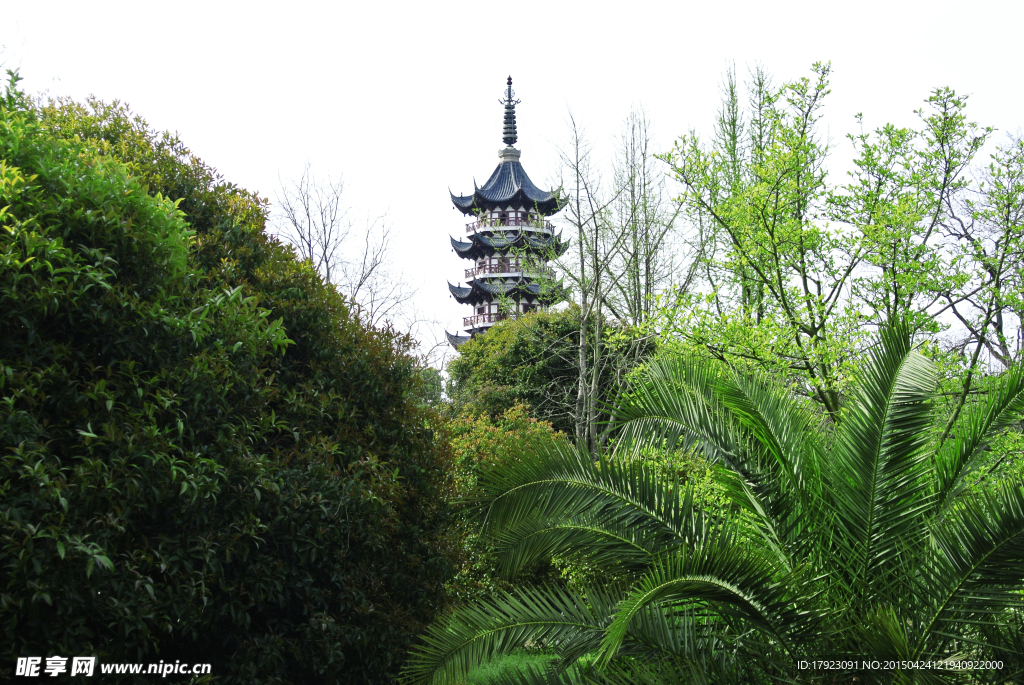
column 723, row 576
column 758, row 430
column 552, row 499
column 961, row 456
column 539, row 675
column 876, row 479
column 977, row 570
column 451, row 648
column 580, row 539
column 781, row 482
column 672, row 404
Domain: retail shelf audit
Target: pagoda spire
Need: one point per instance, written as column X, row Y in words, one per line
column 509, row 132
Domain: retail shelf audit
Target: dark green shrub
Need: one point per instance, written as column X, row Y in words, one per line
column 204, row 455
column 478, row 444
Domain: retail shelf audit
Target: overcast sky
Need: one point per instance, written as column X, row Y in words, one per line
column 401, row 99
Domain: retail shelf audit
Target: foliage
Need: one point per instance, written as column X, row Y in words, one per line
column 858, row 540
column 773, row 274
column 431, row 387
column 204, row 454
column 795, row 270
column 506, row 666
column 527, row 360
column 478, row 443
column 532, row 360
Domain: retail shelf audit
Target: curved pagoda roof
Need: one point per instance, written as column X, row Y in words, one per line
column 481, row 245
column 508, row 186
column 479, row 291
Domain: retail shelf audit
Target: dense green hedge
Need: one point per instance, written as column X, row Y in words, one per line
column 204, row 455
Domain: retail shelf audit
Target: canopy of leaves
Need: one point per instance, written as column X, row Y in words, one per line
column 479, row 443
column 529, row 360
column 794, row 270
column 204, row 454
column 534, row 360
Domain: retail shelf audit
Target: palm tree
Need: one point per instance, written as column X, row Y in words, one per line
column 863, row 541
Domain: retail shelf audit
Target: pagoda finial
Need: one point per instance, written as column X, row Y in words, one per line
column 509, row 132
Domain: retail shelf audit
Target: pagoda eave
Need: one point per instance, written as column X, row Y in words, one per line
column 478, row 202
column 479, row 291
column 457, row 341
column 481, row 245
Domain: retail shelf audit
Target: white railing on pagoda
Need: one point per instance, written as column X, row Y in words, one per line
column 477, row 319
column 510, row 266
column 487, row 224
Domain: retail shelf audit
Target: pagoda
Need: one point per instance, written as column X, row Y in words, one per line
column 509, row 241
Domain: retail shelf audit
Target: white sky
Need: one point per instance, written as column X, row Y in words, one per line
column 402, row 98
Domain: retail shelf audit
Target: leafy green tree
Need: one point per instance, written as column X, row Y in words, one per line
column 773, row 276
column 528, row 360
column 204, row 453
column 533, row 360
column 795, row 271
column 431, row 388
column 858, row 541
column 478, row 443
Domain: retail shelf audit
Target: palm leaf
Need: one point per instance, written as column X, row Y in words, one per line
column 558, row 499
column 961, row 457
column 781, row 484
column 977, row 572
column 451, row 648
column 731, row 582
column 760, row 431
column 672, row 404
column 876, row 480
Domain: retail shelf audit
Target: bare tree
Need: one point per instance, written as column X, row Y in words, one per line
column 369, row 281
column 588, row 268
column 316, row 221
column 644, row 217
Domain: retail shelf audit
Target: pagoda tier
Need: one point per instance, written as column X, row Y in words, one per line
column 486, row 244
column 479, row 291
column 508, row 186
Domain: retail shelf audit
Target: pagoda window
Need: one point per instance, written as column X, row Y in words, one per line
column 503, row 218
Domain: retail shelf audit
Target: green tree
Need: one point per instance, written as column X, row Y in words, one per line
column 204, row 453
column 795, row 270
column 533, row 360
column 774, row 277
column 857, row 541
column 528, row 360
column 478, row 443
